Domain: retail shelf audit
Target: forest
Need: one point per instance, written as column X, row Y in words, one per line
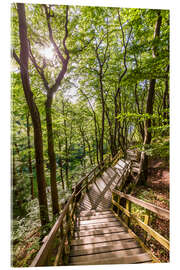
column 86, row 82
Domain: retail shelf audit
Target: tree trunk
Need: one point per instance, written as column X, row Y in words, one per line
column 142, row 177
column 50, row 93
column 66, row 149
column 13, row 170
column 84, row 146
column 38, row 144
column 52, row 157
column 101, row 143
column 89, row 150
column 95, row 127
column 141, row 127
column 60, row 166
column 166, row 96
column 29, row 158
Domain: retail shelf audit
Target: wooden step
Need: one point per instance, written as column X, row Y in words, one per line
column 97, row 221
column 102, row 239
column 105, row 177
column 109, row 172
column 103, row 247
column 101, row 184
column 90, row 258
column 96, row 226
column 110, row 214
column 138, row 258
column 134, row 169
column 99, row 231
column 94, row 213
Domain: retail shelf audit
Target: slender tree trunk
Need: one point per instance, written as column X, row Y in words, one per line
column 52, row 157
column 89, row 150
column 66, row 148
column 101, row 143
column 84, row 146
column 142, row 177
column 95, row 127
column 29, row 158
column 13, row 171
column 38, row 144
column 141, row 127
column 18, row 152
column 166, row 96
column 67, row 163
column 60, row 166
column 111, row 141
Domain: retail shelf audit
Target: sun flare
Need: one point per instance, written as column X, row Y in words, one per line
column 47, row 52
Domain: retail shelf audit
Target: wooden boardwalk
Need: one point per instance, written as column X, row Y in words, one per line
column 94, row 226
column 99, row 194
column 99, row 237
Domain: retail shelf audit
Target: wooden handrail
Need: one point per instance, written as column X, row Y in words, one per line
column 153, row 208
column 97, row 167
column 44, row 250
column 144, row 225
column 93, row 176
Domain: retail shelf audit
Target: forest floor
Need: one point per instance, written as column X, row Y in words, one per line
column 157, row 192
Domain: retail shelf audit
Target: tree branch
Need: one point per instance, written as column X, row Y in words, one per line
column 16, row 57
column 66, row 33
column 47, row 12
column 125, row 44
column 39, row 69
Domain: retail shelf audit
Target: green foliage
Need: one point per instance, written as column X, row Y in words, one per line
column 159, row 148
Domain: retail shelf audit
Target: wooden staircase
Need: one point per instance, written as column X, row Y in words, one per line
column 93, row 228
column 100, row 238
column 99, row 193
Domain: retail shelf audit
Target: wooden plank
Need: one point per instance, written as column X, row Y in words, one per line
column 94, row 213
column 103, row 247
column 135, row 164
column 97, row 221
column 106, row 177
column 120, row 173
column 97, row 226
column 110, row 214
column 134, row 169
column 155, row 209
column 144, row 257
column 100, row 256
column 100, row 184
column 117, row 166
column 99, row 231
column 104, row 238
column 109, row 172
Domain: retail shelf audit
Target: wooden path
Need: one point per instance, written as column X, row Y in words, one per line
column 94, row 226
column 99, row 237
column 99, row 194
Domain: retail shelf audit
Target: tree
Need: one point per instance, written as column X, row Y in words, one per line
column 38, row 144
column 149, row 108
column 50, row 93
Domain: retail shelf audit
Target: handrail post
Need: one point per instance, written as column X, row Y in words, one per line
column 112, row 205
column 119, row 204
column 128, row 208
column 146, row 221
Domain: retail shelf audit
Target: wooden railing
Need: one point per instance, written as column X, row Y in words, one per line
column 119, row 208
column 56, row 245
